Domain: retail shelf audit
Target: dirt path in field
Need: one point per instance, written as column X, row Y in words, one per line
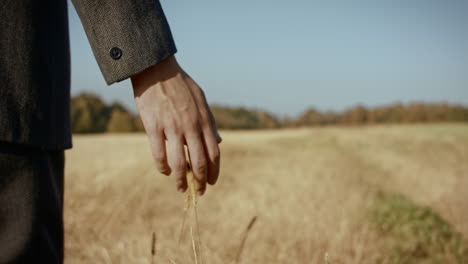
column 430, row 169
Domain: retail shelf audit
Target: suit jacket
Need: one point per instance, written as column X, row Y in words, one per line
column 126, row 36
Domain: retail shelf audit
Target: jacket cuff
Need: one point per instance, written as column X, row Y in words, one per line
column 126, row 37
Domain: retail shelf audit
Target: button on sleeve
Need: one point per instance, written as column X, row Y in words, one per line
column 115, row 53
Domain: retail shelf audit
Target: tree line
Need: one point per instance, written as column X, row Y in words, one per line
column 91, row 115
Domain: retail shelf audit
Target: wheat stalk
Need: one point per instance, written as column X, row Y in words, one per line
column 327, row 258
column 153, row 247
column 244, row 238
column 182, row 227
column 191, row 203
column 194, row 247
column 171, row 260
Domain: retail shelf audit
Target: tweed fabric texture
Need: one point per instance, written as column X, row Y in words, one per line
column 137, row 27
column 35, row 59
column 35, row 73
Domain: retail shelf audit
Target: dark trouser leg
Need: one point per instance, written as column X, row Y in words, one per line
column 31, row 198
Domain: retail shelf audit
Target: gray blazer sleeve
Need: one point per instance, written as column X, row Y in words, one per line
column 126, row 36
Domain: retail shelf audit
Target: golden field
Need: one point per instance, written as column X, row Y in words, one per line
column 373, row 194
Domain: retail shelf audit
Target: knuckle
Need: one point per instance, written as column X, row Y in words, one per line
column 172, row 127
column 180, row 167
column 193, row 123
column 200, row 167
column 205, row 116
column 175, row 130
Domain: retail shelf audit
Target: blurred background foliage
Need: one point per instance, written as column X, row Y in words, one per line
column 90, row 114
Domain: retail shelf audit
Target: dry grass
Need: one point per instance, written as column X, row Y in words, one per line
column 310, row 188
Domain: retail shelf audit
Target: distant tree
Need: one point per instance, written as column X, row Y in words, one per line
column 416, row 112
column 89, row 114
column 266, row 120
column 138, row 124
column 311, row 117
column 386, row 114
column 437, row 112
column 457, row 113
column 357, row 115
column 242, row 118
column 121, row 120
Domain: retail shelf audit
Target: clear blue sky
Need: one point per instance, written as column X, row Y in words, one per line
column 286, row 56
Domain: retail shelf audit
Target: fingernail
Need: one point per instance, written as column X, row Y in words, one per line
column 180, row 189
column 200, row 192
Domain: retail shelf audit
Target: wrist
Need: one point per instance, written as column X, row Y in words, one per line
column 159, row 72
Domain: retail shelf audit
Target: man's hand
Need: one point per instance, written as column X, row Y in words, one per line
column 173, row 108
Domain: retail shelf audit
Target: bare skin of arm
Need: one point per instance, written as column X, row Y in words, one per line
column 173, row 108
